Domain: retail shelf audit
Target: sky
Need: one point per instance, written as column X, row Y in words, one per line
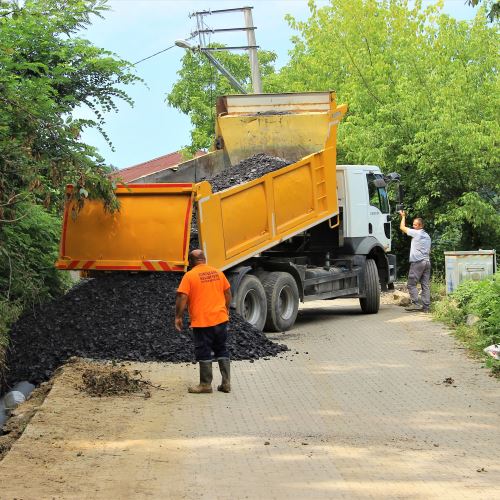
column 136, row 29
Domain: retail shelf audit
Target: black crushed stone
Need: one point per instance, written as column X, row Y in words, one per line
column 247, row 170
column 271, row 113
column 115, row 317
column 127, row 317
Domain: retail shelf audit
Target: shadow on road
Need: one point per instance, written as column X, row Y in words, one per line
column 308, row 315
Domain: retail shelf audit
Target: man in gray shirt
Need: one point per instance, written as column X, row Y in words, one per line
column 420, row 263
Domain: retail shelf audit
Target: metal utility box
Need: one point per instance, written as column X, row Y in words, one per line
column 468, row 265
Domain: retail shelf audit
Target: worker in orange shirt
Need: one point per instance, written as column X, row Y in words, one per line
column 207, row 294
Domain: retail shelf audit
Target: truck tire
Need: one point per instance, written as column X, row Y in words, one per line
column 282, row 296
column 250, row 301
column 371, row 302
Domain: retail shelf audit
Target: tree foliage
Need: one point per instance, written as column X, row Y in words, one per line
column 422, row 90
column 200, row 84
column 46, row 72
column 493, row 8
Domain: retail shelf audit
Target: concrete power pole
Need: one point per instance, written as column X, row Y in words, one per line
column 252, row 51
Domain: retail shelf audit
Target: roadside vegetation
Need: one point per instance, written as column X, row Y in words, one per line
column 473, row 312
column 49, row 75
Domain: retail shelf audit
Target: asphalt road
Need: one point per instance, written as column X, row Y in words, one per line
column 363, row 406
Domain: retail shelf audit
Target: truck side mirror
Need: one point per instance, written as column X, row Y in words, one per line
column 379, row 183
column 392, row 177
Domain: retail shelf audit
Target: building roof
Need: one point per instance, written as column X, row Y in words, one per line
column 164, row 162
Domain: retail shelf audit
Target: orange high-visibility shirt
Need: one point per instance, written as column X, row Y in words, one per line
column 205, row 286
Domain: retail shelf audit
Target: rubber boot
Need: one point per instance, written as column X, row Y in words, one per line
column 225, row 371
column 205, row 385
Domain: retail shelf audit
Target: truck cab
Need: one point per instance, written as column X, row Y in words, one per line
column 365, row 217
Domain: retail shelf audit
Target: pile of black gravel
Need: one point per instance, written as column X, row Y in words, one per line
column 246, row 170
column 115, row 317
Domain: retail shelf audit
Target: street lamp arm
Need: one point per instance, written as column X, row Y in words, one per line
column 237, row 85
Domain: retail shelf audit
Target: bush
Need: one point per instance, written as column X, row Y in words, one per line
column 438, row 288
column 9, row 312
column 479, row 301
column 28, row 251
column 482, row 299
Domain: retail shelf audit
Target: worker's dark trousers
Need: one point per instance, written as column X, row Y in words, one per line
column 420, row 272
column 210, row 339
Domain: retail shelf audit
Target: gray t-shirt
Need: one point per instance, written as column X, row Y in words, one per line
column 420, row 245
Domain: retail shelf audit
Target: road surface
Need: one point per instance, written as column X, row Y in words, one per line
column 363, row 406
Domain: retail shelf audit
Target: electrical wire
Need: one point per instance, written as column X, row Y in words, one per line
column 159, row 52
column 153, row 55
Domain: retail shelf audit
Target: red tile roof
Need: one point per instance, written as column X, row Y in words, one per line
column 164, row 162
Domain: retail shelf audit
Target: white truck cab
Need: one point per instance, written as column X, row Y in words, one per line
column 365, row 226
column 362, row 195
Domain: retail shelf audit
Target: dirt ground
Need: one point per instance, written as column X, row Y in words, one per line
column 362, row 406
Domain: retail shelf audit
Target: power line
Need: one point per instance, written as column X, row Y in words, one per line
column 153, row 55
column 159, row 52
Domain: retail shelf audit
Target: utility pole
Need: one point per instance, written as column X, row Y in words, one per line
column 251, row 43
column 252, row 52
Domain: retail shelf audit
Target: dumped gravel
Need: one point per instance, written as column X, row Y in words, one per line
column 127, row 317
column 246, row 170
column 115, row 317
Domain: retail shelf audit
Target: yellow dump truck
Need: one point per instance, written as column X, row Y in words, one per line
column 311, row 230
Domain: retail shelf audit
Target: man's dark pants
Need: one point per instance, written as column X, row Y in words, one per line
column 210, row 339
column 420, row 272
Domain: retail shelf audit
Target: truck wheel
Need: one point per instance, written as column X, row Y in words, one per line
column 250, row 301
column 282, row 297
column 371, row 302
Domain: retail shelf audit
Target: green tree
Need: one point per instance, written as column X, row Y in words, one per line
column 200, row 84
column 493, row 6
column 46, row 72
column 422, row 90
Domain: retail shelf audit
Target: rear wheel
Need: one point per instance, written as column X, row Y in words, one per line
column 282, row 297
column 371, row 302
column 250, row 301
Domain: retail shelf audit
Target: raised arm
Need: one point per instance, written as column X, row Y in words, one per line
column 402, row 224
